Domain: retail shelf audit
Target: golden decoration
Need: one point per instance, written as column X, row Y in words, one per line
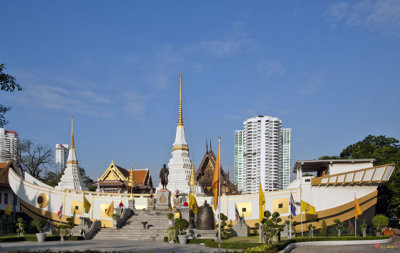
column 283, row 202
column 180, row 121
column 76, row 207
column 192, row 180
column 72, row 133
column 180, row 147
column 131, row 180
column 42, row 200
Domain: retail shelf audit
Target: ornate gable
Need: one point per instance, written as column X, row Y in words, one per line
column 113, row 173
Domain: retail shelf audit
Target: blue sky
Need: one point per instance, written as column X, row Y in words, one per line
column 328, row 69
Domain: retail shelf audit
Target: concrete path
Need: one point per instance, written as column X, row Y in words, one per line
column 383, row 248
column 119, row 246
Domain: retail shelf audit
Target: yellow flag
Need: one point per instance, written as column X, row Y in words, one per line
column 86, row 204
column 193, row 204
column 261, row 202
column 357, row 208
column 215, row 178
column 8, row 209
column 307, row 208
column 110, row 209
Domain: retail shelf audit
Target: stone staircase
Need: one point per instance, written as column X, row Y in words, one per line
column 155, row 229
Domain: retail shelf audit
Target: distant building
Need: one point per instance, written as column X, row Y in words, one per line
column 286, row 137
column 262, row 154
column 61, row 157
column 238, row 163
column 8, row 145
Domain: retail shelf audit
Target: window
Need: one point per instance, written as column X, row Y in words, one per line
column 280, row 205
column 243, row 209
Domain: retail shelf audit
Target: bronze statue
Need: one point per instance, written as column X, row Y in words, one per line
column 164, row 172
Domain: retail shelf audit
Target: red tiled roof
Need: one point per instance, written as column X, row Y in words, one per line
column 140, row 175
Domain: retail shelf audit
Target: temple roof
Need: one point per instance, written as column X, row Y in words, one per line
column 205, row 171
column 116, row 173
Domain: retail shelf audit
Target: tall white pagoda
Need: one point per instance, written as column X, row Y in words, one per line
column 71, row 179
column 179, row 164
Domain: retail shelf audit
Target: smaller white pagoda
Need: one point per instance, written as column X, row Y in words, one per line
column 71, row 179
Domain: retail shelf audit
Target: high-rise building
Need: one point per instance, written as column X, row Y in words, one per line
column 61, row 157
column 262, row 154
column 286, row 136
column 8, row 145
column 238, row 164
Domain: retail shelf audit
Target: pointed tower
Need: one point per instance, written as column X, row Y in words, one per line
column 71, row 179
column 179, row 164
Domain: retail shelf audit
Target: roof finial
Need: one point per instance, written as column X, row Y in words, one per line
column 180, row 121
column 206, row 146
column 72, row 133
column 210, row 146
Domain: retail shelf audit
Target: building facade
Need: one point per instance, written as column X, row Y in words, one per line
column 262, row 154
column 286, row 137
column 8, row 145
column 238, row 163
column 61, row 157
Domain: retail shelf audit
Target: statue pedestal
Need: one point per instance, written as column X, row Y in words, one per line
column 131, row 204
column 163, row 199
column 240, row 229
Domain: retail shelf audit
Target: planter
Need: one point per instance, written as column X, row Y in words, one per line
column 114, row 223
column 182, row 239
column 41, row 237
column 364, row 233
column 171, row 222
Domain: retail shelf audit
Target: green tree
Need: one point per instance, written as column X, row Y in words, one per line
column 327, row 157
column 380, row 221
column 384, row 150
column 8, row 84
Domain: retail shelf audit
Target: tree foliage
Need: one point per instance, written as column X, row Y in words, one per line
column 8, row 84
column 384, row 150
column 33, row 158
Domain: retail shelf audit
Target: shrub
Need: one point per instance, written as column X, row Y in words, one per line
column 115, row 216
column 170, row 216
column 181, row 225
column 324, row 228
column 39, row 224
column 339, row 226
column 380, row 221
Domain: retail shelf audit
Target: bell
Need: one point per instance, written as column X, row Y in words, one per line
column 205, row 217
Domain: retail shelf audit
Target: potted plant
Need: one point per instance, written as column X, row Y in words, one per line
column 115, row 218
column 311, row 230
column 62, row 231
column 379, row 221
column 364, row 227
column 39, row 224
column 181, row 225
column 170, row 219
column 339, row 226
column 21, row 227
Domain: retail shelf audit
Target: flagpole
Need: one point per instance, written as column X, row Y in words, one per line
column 219, row 192
column 355, row 226
column 259, row 222
column 290, row 216
column 301, row 211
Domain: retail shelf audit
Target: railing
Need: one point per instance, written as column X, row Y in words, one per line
column 126, row 214
column 94, row 228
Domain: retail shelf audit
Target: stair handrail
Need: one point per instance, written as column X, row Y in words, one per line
column 126, row 214
column 94, row 228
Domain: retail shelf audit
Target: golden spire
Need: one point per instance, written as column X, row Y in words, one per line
column 131, row 180
column 72, row 133
column 192, row 180
column 180, row 121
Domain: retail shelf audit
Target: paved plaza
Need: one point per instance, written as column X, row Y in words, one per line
column 383, row 248
column 119, row 246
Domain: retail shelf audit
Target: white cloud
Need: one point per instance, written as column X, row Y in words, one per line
column 313, row 85
column 382, row 16
column 271, row 67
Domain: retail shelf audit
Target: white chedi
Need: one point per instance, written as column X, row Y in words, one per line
column 71, row 179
